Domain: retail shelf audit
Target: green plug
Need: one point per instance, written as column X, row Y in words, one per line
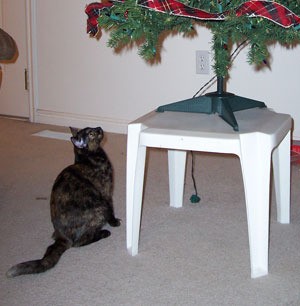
column 195, row 199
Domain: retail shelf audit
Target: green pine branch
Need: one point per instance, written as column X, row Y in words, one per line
column 130, row 24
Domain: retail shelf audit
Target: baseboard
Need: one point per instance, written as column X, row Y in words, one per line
column 112, row 125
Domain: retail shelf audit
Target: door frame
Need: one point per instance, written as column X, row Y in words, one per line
column 32, row 54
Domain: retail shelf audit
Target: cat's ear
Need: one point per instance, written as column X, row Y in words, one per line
column 100, row 131
column 74, row 131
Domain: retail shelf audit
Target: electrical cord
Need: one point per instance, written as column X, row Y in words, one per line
column 195, row 198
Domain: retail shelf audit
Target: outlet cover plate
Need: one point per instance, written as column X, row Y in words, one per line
column 202, row 62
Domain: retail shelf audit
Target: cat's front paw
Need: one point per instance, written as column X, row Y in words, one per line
column 114, row 222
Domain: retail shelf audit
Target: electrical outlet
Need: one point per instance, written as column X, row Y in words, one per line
column 202, row 62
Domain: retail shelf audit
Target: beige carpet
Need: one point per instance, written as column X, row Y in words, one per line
column 196, row 255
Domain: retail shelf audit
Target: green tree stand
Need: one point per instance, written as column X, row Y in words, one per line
column 221, row 102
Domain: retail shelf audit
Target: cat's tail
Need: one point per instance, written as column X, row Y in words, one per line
column 49, row 260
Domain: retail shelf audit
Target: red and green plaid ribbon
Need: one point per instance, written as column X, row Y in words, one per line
column 270, row 10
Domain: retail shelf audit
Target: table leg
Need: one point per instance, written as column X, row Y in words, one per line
column 177, row 163
column 134, row 186
column 256, row 165
column 282, row 178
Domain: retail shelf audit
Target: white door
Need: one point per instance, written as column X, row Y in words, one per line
column 14, row 95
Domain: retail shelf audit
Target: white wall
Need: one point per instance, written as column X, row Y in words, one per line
column 82, row 82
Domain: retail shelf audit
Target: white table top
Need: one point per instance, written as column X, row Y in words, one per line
column 261, row 120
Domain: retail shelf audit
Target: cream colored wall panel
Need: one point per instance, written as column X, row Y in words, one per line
column 79, row 75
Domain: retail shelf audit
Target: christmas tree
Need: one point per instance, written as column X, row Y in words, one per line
column 144, row 22
column 232, row 23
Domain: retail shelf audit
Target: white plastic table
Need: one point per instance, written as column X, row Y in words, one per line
column 264, row 136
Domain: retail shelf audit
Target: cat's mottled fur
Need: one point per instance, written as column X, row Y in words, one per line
column 81, row 202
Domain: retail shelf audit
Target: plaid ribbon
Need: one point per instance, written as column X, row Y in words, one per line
column 177, row 8
column 270, row 10
column 93, row 11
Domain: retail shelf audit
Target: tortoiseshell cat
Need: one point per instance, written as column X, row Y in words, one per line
column 81, row 202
